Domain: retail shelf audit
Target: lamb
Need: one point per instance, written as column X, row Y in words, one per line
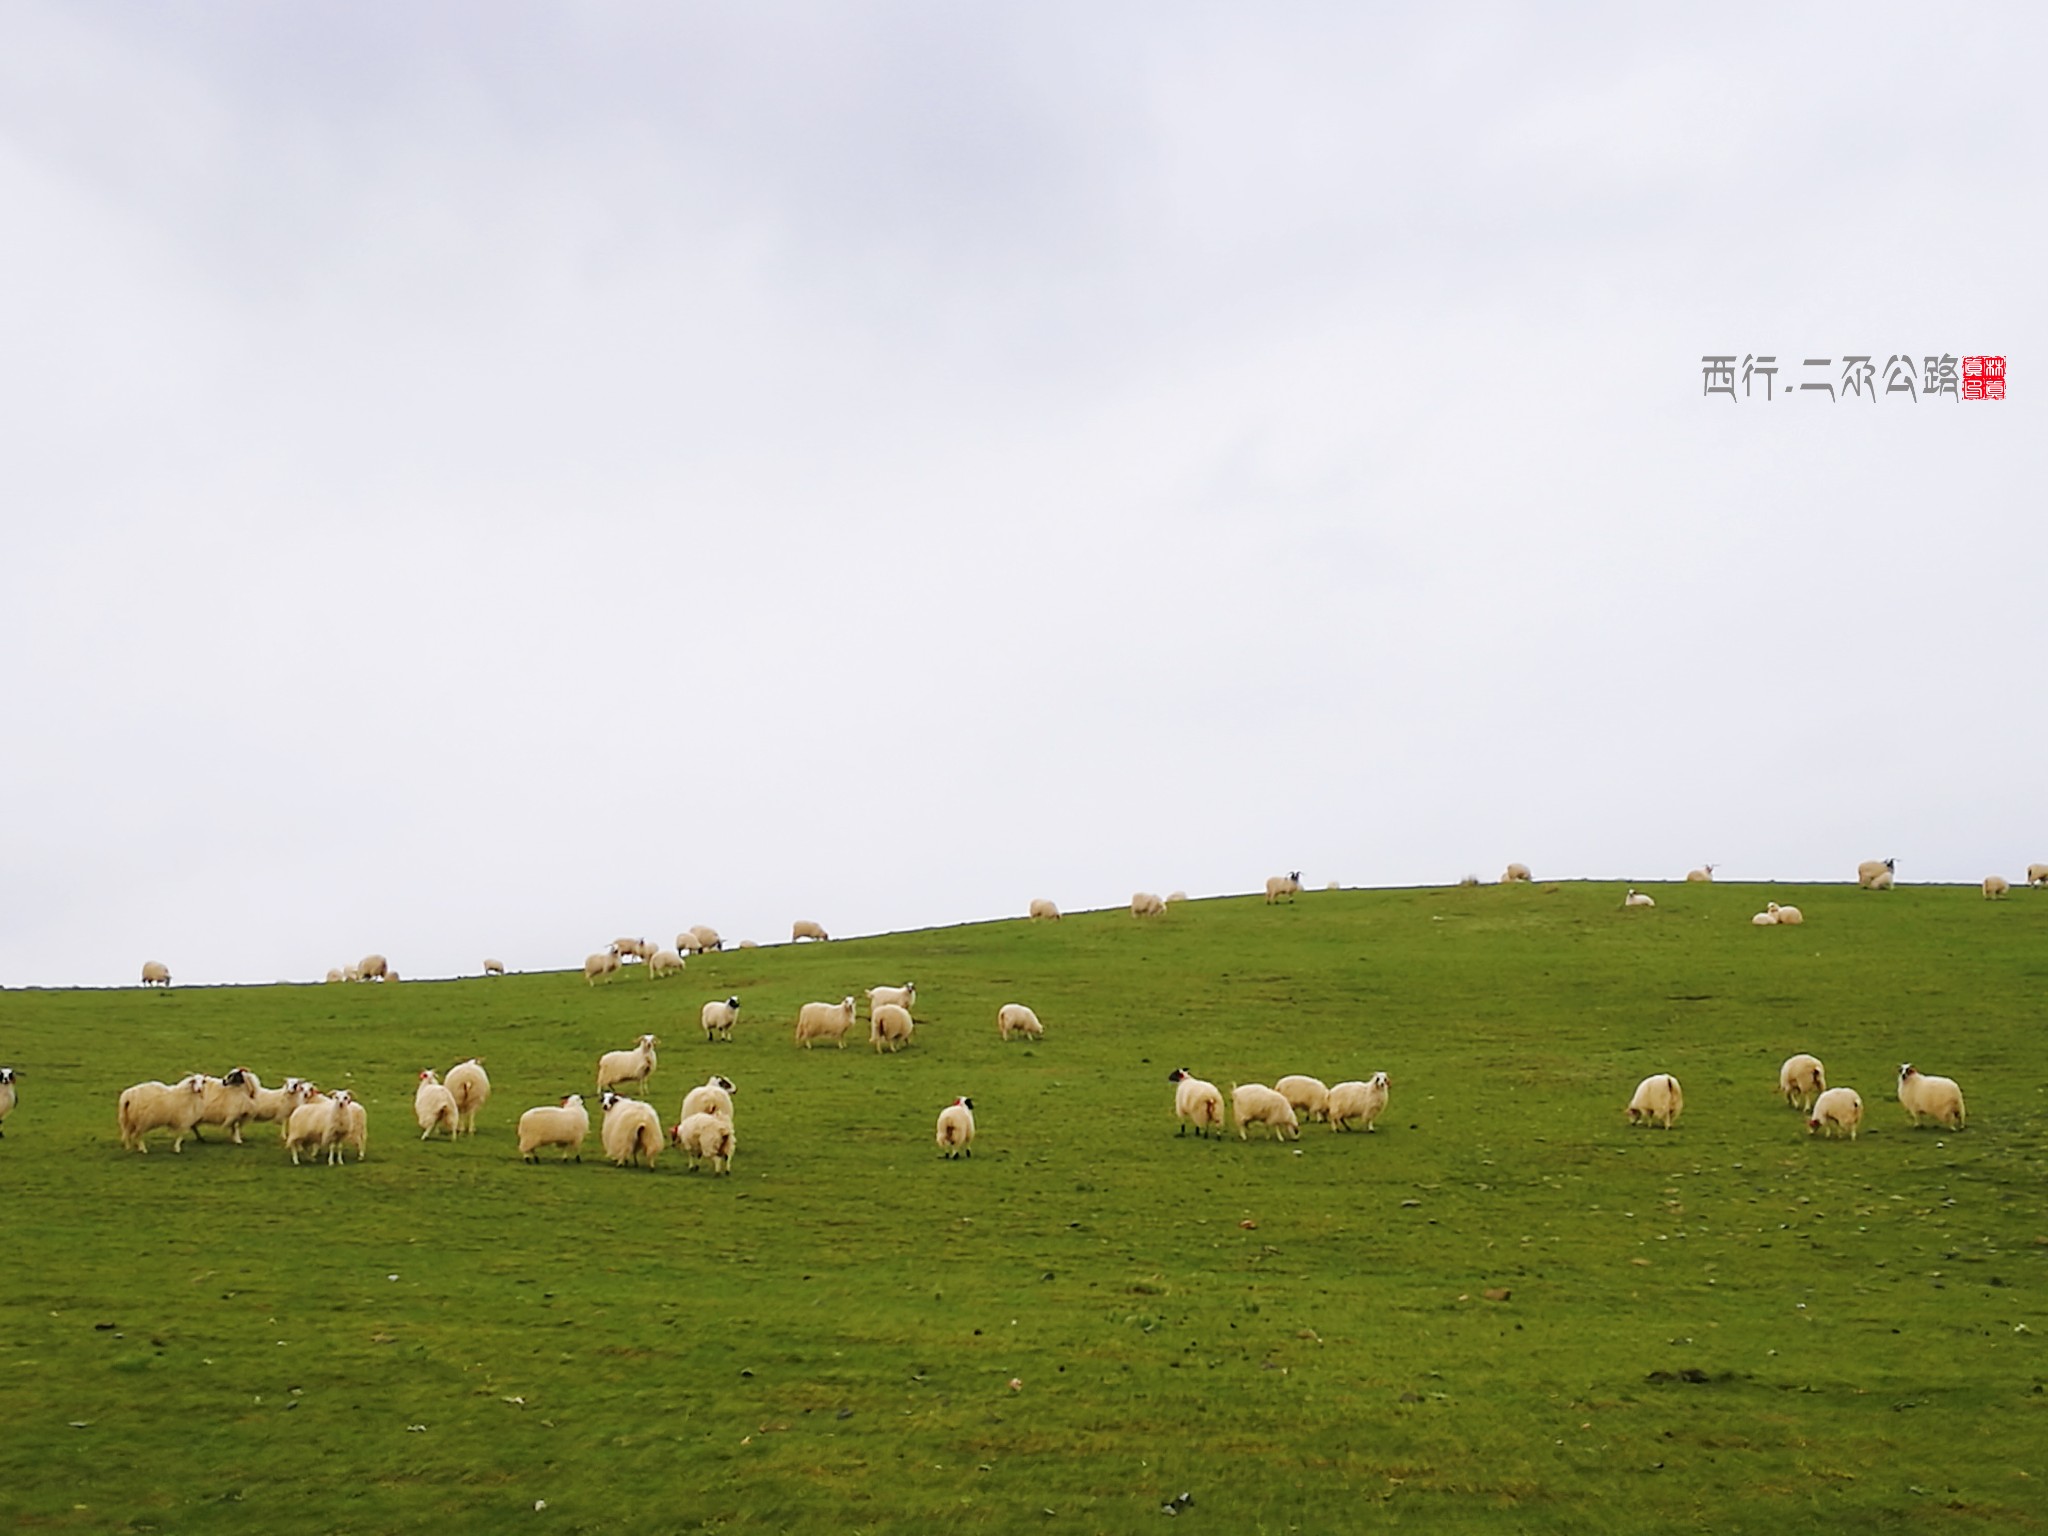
column 1658, row 1099
column 1768, row 918
column 1016, row 1019
column 1704, row 872
column 471, row 1086
column 619, row 1069
column 1995, row 886
column 664, row 962
column 824, row 1021
column 1288, row 885
column 1936, row 1097
column 1040, row 907
column 494, row 967
column 433, row 1106
column 1256, row 1104
column 719, row 1018
column 604, row 963
column 155, row 974
column 1145, row 904
column 1875, row 874
column 1308, row 1095
column 1636, row 898
column 1357, row 1101
column 713, row 1096
column 227, row 1103
column 1791, row 916
column 705, row 1138
column 631, row 1131
column 320, row 1124
column 707, row 938
column 373, row 968
column 1195, row 1103
column 904, row 996
column 2037, row 875
column 7, row 1096
column 1515, row 874
column 890, row 1025
column 563, row 1125
column 804, row 929
column 153, row 1106
column 687, row 943
column 1835, row 1111
column 1802, row 1080
column 956, row 1129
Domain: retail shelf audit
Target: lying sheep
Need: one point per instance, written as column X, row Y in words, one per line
column 1173, row 896
column 664, row 962
column 320, row 1124
column 687, row 943
column 1145, row 904
column 1704, row 872
column 1636, row 898
column 628, row 1069
column 1288, row 885
column 7, row 1096
column 494, row 967
column 1790, row 916
column 1936, row 1097
column 1357, row 1101
column 1768, row 918
column 563, row 1125
column 719, row 1018
column 904, row 996
column 2037, row 874
column 1195, row 1103
column 803, row 929
column 1256, row 1104
column 1040, row 907
column 373, row 968
column 227, row 1102
column 1802, row 1080
column 471, row 1086
column 603, row 963
column 433, row 1106
column 1995, row 886
column 824, row 1021
column 1835, row 1111
column 336, row 973
column 705, row 1138
column 1515, row 874
column 1309, row 1096
column 1658, row 1100
column 713, row 1096
column 1016, row 1019
column 890, row 1026
column 631, row 1130
column 155, row 974
column 707, row 938
column 1875, row 874
column 153, row 1106
column 748, row 944
column 956, row 1129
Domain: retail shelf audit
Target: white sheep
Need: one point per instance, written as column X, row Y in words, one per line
column 228, row 1101
column 1995, row 886
column 707, row 937
column 713, row 1096
column 1936, row 1097
column 1790, row 916
column 1768, row 918
column 1835, row 1111
column 664, row 962
column 748, row 944
column 1016, row 1019
column 350, row 973
column 1041, row 908
column 336, row 973
column 1173, row 896
column 628, row 1069
column 956, row 1129
column 1802, row 1080
column 319, row 1125
column 1658, row 1100
column 353, row 1122
column 631, row 1130
column 494, row 967
column 272, row 1104
column 1636, row 898
column 563, row 1125
column 434, row 1107
column 1515, row 874
column 471, row 1086
column 1704, row 872
column 155, row 974
column 1145, row 904
column 687, row 943
column 824, row 1021
column 719, row 1018
column 7, row 1096
column 1875, row 874
column 1309, row 1096
column 802, row 928
column 373, row 968
column 890, row 1026
column 904, row 996
column 1288, row 885
column 1195, row 1103
column 706, row 1138
column 1256, row 1104
column 154, row 1106
column 1357, row 1101
column 2037, row 874
column 631, row 949
column 603, row 963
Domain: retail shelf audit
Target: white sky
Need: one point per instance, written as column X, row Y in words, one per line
column 483, row 478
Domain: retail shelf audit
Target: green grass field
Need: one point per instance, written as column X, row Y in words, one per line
column 1725, row 1327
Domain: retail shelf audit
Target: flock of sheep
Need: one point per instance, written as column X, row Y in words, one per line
column 1804, row 1082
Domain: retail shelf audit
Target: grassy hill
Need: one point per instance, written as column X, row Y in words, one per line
column 1727, row 1326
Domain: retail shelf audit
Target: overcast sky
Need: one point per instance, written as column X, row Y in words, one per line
column 480, row 479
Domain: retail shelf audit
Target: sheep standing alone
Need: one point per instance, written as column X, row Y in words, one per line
column 563, row 1125
column 494, row 967
column 824, row 1021
column 471, row 1086
column 890, row 1026
column 1195, row 1103
column 433, row 1106
column 604, row 963
column 155, row 974
column 1995, row 886
column 1040, row 907
column 1875, row 874
column 1288, row 885
column 804, row 929
column 719, row 1018
column 1636, row 898
column 665, row 962
column 956, row 1129
column 1835, row 1111
column 1704, row 872
column 2037, row 875
column 1145, row 904
column 153, row 1106
column 1936, row 1097
column 1309, row 1096
column 1658, row 1100
column 631, row 1131
column 705, row 1138
column 904, row 996
column 1364, row 1101
column 1016, row 1019
column 228, row 1101
column 627, row 1069
column 1515, row 874
column 1256, row 1104
column 1802, row 1080
column 7, row 1096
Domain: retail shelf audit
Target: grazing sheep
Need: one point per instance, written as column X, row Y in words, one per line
column 373, row 968
column 604, row 963
column 1357, row 1101
column 155, row 974
column 494, row 967
column 2037, row 874
column 471, row 1086
column 1704, row 872
column 350, row 973
column 890, row 1025
column 824, row 1021
column 1802, row 1080
column 904, row 996
column 631, row 1130
column 1835, row 1111
column 1515, row 874
column 1768, row 918
column 707, row 938
column 713, row 1096
column 956, row 1129
column 719, row 1018
column 7, row 1096
column 1936, row 1097
column 1875, row 874
column 434, row 1107
column 320, row 1124
column 1040, row 907
column 153, row 1106
column 1016, row 1019
column 1145, row 904
column 228, row 1101
column 687, row 943
column 1308, row 1095
column 1196, row 1103
column 665, row 962
column 624, row 1069
column 1995, row 886
column 1636, row 898
column 803, row 929
column 336, row 973
column 1791, row 916
column 1256, row 1104
column 705, row 1138
column 1288, row 885
column 563, row 1125
column 1658, row 1100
